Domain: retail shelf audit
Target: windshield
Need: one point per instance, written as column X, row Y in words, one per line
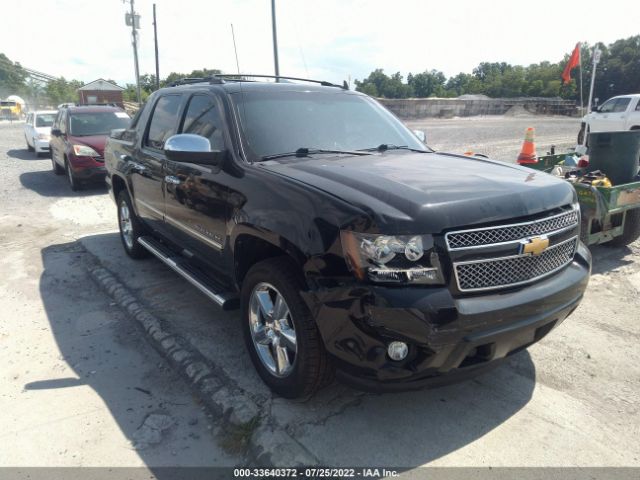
column 97, row 123
column 281, row 122
column 45, row 119
column 7, row 104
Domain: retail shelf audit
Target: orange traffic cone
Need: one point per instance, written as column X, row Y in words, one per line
column 528, row 152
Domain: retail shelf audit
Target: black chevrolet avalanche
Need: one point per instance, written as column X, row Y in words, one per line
column 351, row 248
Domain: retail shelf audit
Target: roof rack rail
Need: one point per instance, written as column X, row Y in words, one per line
column 187, row 81
column 241, row 77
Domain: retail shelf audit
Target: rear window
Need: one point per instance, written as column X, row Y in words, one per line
column 96, row 123
column 45, row 119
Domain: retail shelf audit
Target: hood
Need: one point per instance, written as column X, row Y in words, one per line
column 43, row 130
column 430, row 192
column 94, row 141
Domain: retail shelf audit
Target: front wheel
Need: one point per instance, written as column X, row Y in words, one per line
column 57, row 169
column 74, row 183
column 130, row 228
column 583, row 131
column 29, row 147
column 279, row 332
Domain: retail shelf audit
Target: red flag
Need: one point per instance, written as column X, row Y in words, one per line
column 574, row 61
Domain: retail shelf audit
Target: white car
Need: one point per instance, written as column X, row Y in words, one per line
column 37, row 130
column 615, row 115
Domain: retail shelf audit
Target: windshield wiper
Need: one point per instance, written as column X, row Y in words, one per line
column 383, row 147
column 305, row 152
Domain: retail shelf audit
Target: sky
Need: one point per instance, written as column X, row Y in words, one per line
column 330, row 40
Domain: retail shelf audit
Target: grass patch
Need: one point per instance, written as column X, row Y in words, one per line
column 235, row 438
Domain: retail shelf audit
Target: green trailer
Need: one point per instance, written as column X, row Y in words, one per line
column 610, row 215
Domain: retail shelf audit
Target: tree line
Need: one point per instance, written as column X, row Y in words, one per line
column 618, row 73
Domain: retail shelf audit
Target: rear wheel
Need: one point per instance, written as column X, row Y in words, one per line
column 631, row 230
column 279, row 331
column 130, row 228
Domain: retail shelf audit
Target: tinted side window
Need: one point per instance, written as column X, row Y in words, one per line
column 607, row 106
column 621, row 105
column 163, row 121
column 63, row 121
column 202, row 118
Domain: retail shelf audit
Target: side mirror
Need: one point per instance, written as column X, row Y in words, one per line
column 56, row 132
column 421, row 135
column 595, row 110
column 190, row 148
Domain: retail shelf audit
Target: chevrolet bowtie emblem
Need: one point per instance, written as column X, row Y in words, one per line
column 534, row 246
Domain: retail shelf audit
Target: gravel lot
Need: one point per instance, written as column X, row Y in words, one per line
column 500, row 137
column 75, row 369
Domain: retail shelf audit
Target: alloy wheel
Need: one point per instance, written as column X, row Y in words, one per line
column 272, row 330
column 126, row 226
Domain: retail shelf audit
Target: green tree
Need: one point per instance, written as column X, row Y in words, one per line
column 382, row 85
column 61, row 90
column 203, row 73
column 430, row 83
column 12, row 77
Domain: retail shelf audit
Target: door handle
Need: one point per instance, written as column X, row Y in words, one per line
column 137, row 167
column 172, row 180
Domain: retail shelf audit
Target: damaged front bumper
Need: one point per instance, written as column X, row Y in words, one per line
column 449, row 338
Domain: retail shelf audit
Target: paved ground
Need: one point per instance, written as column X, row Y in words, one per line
column 78, row 383
column 69, row 357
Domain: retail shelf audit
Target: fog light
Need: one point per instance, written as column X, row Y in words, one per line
column 397, row 350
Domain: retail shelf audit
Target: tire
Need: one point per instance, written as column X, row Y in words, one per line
column 310, row 369
column 57, row 169
column 631, row 230
column 29, row 147
column 129, row 238
column 581, row 134
column 74, row 183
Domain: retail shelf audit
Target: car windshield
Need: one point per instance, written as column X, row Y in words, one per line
column 281, row 122
column 45, row 119
column 97, row 123
column 8, row 104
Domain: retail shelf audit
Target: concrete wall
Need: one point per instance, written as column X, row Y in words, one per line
column 455, row 107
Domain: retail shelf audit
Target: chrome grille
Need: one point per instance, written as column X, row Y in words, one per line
column 514, row 270
column 510, row 233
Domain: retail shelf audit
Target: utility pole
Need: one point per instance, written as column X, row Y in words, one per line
column 133, row 20
column 275, row 39
column 155, row 37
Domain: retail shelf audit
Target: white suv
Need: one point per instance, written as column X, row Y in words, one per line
column 616, row 114
column 37, row 130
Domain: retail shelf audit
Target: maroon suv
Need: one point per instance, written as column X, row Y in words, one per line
column 77, row 140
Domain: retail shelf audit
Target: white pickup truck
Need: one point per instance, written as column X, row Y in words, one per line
column 616, row 114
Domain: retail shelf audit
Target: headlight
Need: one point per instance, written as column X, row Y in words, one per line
column 392, row 258
column 43, row 136
column 85, row 151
